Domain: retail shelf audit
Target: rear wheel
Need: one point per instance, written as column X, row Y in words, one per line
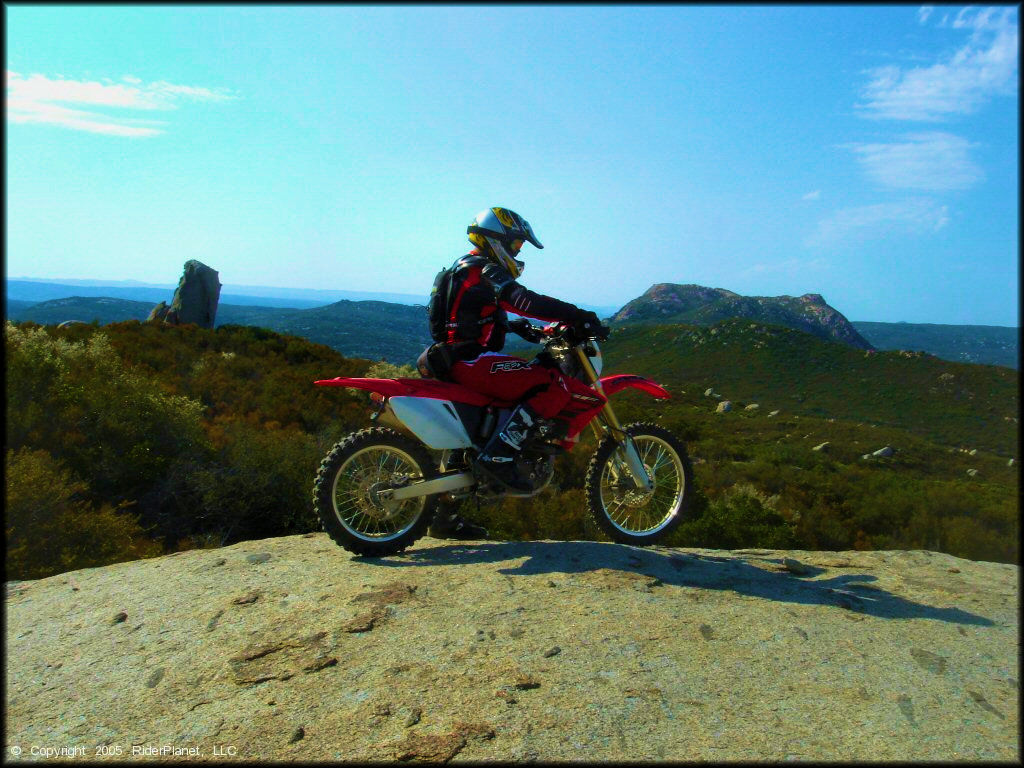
column 351, row 496
column 631, row 515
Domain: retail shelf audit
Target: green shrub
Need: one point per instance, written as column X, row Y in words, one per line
column 385, row 370
column 741, row 517
column 51, row 528
column 256, row 485
column 107, row 422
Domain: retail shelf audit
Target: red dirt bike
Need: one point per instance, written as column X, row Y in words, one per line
column 377, row 489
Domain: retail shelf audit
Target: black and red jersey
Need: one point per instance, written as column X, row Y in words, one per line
column 481, row 295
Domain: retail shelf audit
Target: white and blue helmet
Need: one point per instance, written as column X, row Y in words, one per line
column 499, row 233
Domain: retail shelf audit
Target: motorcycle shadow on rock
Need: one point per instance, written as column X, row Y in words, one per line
column 697, row 571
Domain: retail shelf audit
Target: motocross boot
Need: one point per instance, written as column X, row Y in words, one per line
column 498, row 457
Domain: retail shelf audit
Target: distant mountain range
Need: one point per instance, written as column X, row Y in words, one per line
column 988, row 344
column 398, row 331
column 369, row 329
column 247, row 295
column 35, row 290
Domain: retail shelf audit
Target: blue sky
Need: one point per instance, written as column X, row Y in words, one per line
column 866, row 153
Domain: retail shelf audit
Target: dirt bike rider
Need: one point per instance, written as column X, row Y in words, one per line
column 483, row 289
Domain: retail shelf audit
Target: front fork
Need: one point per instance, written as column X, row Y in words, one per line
column 606, row 423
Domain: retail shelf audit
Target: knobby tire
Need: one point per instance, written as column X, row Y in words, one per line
column 335, row 461
column 597, row 507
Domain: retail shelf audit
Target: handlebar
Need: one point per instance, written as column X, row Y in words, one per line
column 559, row 329
column 571, row 332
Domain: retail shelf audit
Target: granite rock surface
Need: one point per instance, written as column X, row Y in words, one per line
column 291, row 649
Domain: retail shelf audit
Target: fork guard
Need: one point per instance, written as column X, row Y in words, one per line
column 613, row 384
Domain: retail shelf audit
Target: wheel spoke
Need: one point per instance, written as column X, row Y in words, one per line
column 660, row 461
column 640, row 511
column 357, row 505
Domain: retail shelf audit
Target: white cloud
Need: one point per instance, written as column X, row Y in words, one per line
column 976, row 18
column 27, row 111
column 815, row 195
column 985, row 67
column 924, row 12
column 868, row 222
column 928, row 161
column 40, row 99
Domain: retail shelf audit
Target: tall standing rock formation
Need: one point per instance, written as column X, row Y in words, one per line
column 195, row 299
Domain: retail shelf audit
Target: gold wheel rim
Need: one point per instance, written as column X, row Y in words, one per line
column 640, row 512
column 357, row 498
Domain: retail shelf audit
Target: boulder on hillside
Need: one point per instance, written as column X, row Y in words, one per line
column 723, row 407
column 195, row 299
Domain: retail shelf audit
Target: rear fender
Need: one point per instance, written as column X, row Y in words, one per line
column 613, row 384
column 428, row 388
column 386, row 387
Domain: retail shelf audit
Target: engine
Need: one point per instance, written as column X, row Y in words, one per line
column 537, row 467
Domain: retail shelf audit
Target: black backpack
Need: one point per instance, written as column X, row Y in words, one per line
column 437, row 306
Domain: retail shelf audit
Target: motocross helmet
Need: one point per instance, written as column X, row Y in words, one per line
column 499, row 234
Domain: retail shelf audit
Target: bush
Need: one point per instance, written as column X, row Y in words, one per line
column 51, row 528
column 386, row 370
column 741, row 517
column 262, row 483
column 256, row 485
column 80, row 403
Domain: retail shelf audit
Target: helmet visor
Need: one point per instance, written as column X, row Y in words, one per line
column 528, row 232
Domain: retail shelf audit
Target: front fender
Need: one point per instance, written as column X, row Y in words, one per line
column 613, row 384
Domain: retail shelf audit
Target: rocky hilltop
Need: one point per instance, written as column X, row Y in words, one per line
column 290, row 649
column 697, row 305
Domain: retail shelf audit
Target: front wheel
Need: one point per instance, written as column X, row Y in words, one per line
column 351, row 496
column 631, row 515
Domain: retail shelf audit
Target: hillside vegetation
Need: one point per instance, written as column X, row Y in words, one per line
column 135, row 439
column 971, row 406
